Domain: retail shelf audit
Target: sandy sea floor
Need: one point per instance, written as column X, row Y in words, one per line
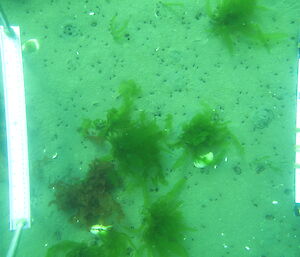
column 245, row 206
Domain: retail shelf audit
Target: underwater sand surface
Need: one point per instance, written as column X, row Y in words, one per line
column 242, row 207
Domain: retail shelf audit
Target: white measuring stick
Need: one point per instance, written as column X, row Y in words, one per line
column 16, row 127
column 297, row 169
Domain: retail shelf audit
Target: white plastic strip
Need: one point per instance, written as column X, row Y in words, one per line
column 16, row 127
column 297, row 169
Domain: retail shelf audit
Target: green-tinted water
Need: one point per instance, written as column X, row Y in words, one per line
column 171, row 124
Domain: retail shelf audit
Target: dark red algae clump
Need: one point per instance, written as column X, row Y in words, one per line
column 90, row 201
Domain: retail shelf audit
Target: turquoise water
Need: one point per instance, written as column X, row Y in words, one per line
column 240, row 206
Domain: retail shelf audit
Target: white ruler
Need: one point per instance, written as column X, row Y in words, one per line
column 297, row 169
column 16, row 128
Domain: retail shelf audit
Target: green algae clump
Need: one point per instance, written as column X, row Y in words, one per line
column 232, row 19
column 116, row 244
column 164, row 228
column 119, row 29
column 137, row 148
column 136, row 141
column 113, row 244
column 205, row 140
